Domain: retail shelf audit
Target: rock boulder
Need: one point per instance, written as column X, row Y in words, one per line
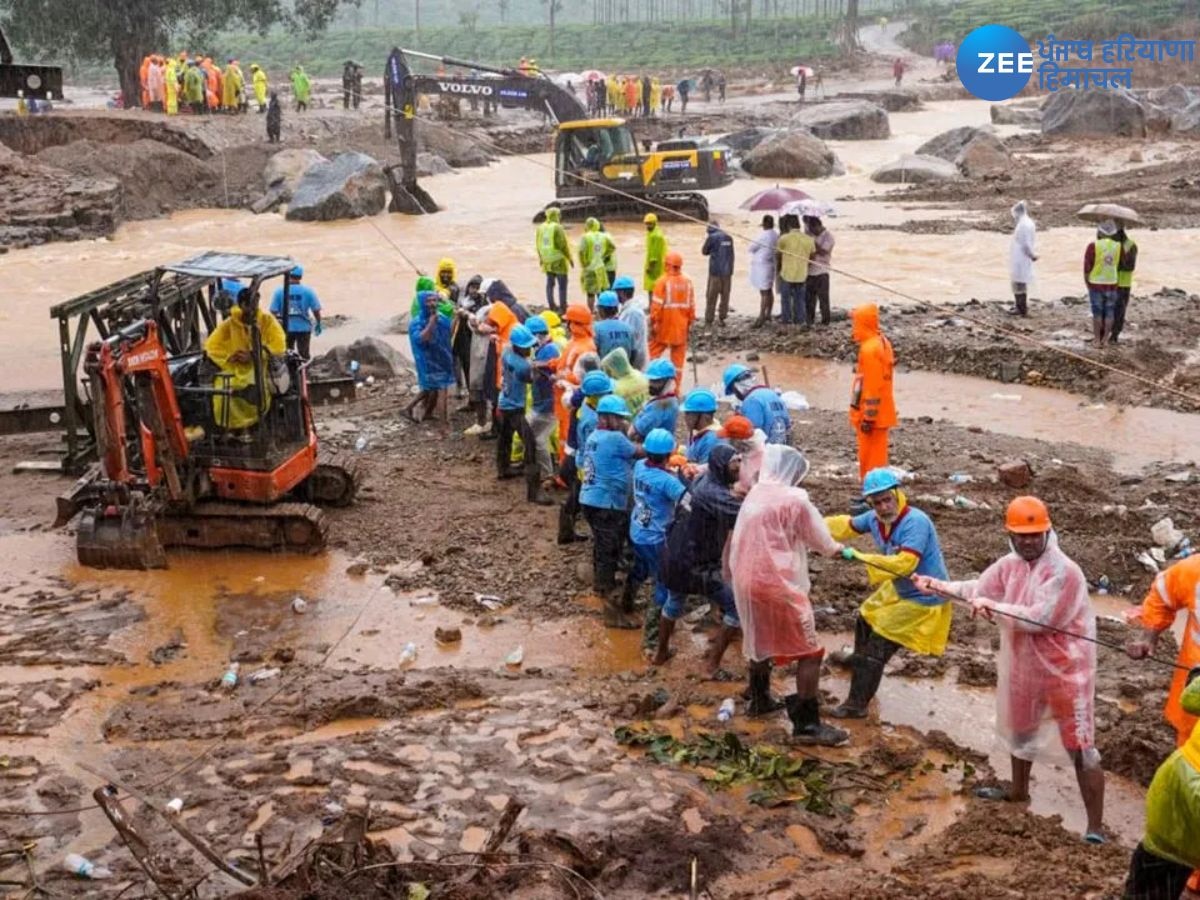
column 913, row 169
column 742, row 142
column 374, row 357
column 985, row 154
column 949, row 144
column 852, row 120
column 1111, row 112
column 1187, row 121
column 897, row 100
column 791, row 154
column 431, row 164
column 1007, row 114
column 350, row 186
column 286, row 167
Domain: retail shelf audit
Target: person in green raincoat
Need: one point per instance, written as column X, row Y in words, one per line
column 656, row 255
column 301, row 88
column 1169, row 853
column 554, row 255
column 628, row 383
column 594, row 246
column 424, row 283
column 193, row 88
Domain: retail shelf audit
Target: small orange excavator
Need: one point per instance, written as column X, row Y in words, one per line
column 172, row 474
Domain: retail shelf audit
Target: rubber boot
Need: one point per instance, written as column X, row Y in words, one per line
column 533, row 489
column 614, row 615
column 807, row 727
column 761, row 703
column 650, row 626
column 864, row 683
column 566, row 526
column 666, row 627
column 629, row 596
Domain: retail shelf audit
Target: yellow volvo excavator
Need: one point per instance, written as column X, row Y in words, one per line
column 598, row 168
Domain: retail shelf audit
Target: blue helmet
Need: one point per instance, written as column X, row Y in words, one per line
column 297, row 272
column 878, row 481
column 700, row 400
column 734, row 374
column 607, row 300
column 537, row 325
column 660, row 370
column 624, row 283
column 612, row 405
column 596, row 384
column 521, row 337
column 659, row 442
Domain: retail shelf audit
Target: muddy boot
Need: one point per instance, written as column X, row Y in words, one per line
column 629, row 595
column 864, row 682
column 614, row 615
column 807, row 727
column 650, row 626
column 663, row 651
column 761, row 703
column 566, row 526
column 533, row 490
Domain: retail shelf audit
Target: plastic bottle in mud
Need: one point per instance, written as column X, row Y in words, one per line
column 84, row 867
column 725, row 712
column 230, row 679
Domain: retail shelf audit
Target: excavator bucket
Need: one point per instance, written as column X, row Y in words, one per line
column 119, row 538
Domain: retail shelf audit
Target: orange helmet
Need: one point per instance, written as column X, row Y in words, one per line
column 1027, row 515
column 578, row 314
column 674, row 262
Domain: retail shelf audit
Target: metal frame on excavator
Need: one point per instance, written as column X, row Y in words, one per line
column 22, row 79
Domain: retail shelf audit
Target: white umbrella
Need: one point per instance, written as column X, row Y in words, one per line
column 809, row 207
column 1099, row 212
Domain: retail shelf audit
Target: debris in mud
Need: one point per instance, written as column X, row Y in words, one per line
column 447, row 635
column 165, row 653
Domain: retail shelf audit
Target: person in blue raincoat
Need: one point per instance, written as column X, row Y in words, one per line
column 429, row 335
column 761, row 404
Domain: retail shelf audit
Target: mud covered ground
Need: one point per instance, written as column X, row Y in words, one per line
column 437, row 752
column 979, row 338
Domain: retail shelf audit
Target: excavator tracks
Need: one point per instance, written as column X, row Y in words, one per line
column 284, row 526
column 335, row 481
column 677, row 206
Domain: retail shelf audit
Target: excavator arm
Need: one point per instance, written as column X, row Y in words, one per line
column 402, row 86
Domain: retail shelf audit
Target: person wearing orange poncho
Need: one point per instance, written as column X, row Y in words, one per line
column 672, row 312
column 872, row 405
column 579, row 325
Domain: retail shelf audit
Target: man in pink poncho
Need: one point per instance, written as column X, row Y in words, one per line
column 768, row 561
column 1041, row 672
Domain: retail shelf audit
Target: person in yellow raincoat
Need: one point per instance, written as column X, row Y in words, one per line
column 231, row 348
column 594, row 247
column 897, row 614
column 259, row 77
column 1168, row 858
column 231, row 87
column 655, row 96
column 171, row 87
column 628, row 383
column 558, row 333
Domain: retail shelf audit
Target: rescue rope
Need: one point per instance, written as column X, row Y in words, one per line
column 950, row 595
column 948, row 309
column 217, row 742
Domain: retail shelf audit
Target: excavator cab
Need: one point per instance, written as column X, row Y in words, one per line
column 28, row 81
column 595, row 151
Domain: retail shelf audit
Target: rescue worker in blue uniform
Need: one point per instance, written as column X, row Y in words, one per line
column 760, row 404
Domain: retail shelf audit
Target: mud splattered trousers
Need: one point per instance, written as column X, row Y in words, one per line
column 609, row 528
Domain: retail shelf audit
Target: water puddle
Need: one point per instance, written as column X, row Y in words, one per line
column 1135, row 436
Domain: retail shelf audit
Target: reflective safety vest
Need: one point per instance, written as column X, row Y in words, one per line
column 548, row 253
column 596, row 261
column 1108, row 257
column 1125, row 276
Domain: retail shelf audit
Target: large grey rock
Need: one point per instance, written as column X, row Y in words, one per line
column 791, row 154
column 1187, row 121
column 431, row 164
column 286, row 167
column 374, row 357
column 742, row 142
column 1175, row 98
column 913, row 169
column 897, row 100
column 350, row 186
column 1009, row 114
column 949, row 144
column 1111, row 112
column 852, row 120
column 983, row 155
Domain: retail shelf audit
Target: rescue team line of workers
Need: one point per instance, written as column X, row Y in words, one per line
column 170, row 84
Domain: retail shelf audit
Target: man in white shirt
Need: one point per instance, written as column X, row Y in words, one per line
column 762, row 269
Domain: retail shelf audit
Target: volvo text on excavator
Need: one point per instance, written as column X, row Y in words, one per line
column 598, row 169
column 175, row 468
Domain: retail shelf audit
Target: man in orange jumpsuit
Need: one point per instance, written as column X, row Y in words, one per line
column 578, row 320
column 1172, row 592
column 672, row 312
column 144, row 80
column 872, row 406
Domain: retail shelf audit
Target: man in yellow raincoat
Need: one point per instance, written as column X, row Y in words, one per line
column 259, row 78
column 897, row 614
column 231, row 348
column 231, row 87
column 171, row 86
column 1168, row 857
column 594, row 248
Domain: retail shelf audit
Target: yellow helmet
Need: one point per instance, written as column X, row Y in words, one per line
column 650, row 219
column 551, row 318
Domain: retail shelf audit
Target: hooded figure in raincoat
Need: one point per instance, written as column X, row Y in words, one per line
column 1169, row 852
column 259, row 78
column 425, row 283
column 898, row 614
column 768, row 559
column 232, row 85
column 595, row 247
column 581, row 341
column 446, row 278
column 554, row 256
column 231, row 348
column 872, row 405
column 301, row 88
column 628, row 383
column 1042, row 674
column 171, row 86
column 429, row 339
column 1021, row 257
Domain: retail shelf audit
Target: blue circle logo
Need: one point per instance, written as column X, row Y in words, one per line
column 994, row 62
